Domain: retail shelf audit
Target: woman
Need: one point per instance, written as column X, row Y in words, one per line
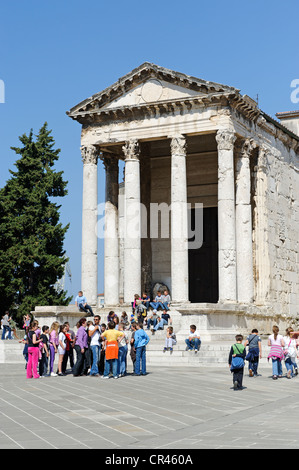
column 54, row 341
column 290, row 353
column 276, row 343
column 33, row 343
column 122, row 352
column 81, row 346
column 61, row 347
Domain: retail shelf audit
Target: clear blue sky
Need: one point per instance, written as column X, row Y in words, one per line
column 56, row 53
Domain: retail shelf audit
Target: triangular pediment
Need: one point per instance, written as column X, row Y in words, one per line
column 151, row 91
column 148, row 83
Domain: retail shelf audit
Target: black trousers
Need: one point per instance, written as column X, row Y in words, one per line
column 80, row 366
column 67, row 355
column 238, row 376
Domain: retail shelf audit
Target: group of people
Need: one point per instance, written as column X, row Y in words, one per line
column 100, row 349
column 282, row 348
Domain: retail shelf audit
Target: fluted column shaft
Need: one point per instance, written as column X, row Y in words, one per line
column 226, row 216
column 89, row 263
column 244, row 224
column 111, row 245
column 179, row 221
column 132, row 222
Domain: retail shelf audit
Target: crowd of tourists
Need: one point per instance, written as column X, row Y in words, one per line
column 101, row 349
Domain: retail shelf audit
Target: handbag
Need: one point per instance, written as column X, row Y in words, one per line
column 286, row 351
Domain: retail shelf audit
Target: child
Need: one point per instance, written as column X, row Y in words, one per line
column 236, row 362
column 254, row 343
column 276, row 343
column 113, row 337
column 152, row 319
column 61, row 348
column 133, row 350
column 170, row 340
column 290, row 354
column 166, row 300
column 53, row 340
column 25, row 349
column 43, row 363
column 33, row 343
column 141, row 339
column 193, row 341
column 122, row 353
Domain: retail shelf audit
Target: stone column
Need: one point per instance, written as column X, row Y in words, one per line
column 226, row 216
column 261, row 231
column 244, row 224
column 179, row 221
column 89, row 265
column 111, row 249
column 132, row 222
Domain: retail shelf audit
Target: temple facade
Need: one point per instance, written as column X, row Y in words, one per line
column 209, row 201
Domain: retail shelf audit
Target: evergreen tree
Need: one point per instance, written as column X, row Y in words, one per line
column 31, row 237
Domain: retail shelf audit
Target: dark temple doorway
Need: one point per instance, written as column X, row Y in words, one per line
column 203, row 261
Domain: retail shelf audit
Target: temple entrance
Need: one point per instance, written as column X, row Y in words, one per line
column 203, row 261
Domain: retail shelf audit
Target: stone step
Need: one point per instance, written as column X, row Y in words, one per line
column 213, row 353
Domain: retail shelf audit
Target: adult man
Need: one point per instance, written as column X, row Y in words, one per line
column 94, row 333
column 81, row 302
column 5, row 325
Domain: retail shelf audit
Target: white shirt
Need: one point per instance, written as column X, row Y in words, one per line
column 95, row 337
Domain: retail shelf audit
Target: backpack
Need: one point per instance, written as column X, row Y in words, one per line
column 237, row 362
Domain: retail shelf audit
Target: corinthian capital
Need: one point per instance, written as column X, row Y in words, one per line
column 262, row 162
column 178, row 145
column 131, row 149
column 247, row 147
column 89, row 154
column 225, row 139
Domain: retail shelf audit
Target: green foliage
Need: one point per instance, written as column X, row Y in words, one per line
column 32, row 258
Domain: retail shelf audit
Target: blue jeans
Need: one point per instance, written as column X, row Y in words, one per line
column 276, row 367
column 95, row 359
column 111, row 364
column 290, row 365
column 194, row 344
column 86, row 309
column 140, row 360
column 151, row 322
column 5, row 329
column 254, row 362
column 122, row 360
column 156, row 305
column 161, row 324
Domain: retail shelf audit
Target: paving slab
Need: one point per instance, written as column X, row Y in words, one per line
column 168, row 409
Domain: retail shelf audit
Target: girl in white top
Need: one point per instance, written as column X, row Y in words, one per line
column 61, row 347
column 290, row 352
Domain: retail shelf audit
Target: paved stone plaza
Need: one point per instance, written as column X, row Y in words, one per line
column 170, row 408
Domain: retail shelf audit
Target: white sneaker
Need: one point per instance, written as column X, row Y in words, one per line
column 53, row 374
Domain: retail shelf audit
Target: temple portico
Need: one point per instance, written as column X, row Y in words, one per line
column 186, row 142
